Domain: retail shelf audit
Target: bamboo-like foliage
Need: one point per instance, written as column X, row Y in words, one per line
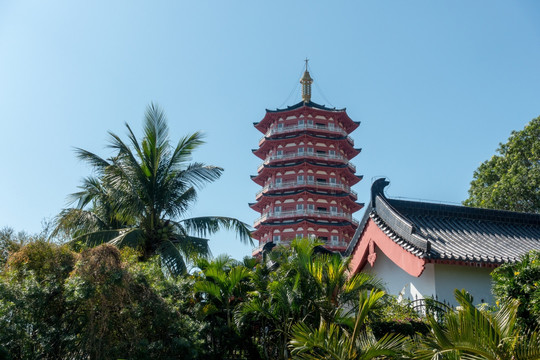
column 331, row 341
column 297, row 284
column 140, row 197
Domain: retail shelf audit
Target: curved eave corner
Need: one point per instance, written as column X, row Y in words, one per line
column 370, row 236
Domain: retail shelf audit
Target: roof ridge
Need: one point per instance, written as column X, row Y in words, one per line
column 496, row 215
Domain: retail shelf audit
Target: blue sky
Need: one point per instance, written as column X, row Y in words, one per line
column 436, row 85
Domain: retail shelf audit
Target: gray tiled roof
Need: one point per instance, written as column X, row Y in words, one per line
column 449, row 232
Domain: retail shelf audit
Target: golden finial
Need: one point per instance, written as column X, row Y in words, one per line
column 306, row 82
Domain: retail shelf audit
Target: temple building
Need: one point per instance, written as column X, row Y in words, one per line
column 424, row 249
column 306, row 174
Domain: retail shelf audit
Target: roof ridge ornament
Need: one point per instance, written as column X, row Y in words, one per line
column 377, row 188
column 306, row 82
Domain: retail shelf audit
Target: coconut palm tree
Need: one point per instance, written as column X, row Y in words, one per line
column 139, row 197
column 472, row 333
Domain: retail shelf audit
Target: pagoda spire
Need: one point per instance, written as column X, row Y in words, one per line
column 306, row 82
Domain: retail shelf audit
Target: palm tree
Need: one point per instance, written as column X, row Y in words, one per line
column 222, row 280
column 471, row 333
column 332, row 341
column 220, row 286
column 139, row 197
column 304, row 286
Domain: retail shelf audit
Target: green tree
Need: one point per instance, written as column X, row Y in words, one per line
column 100, row 304
column 220, row 286
column 332, row 341
column 139, row 197
column 297, row 284
column 511, row 179
column 32, row 302
column 471, row 333
column 521, row 281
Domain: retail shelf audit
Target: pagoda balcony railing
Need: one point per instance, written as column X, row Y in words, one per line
column 331, row 244
column 329, row 215
column 316, row 184
column 306, row 155
column 293, row 128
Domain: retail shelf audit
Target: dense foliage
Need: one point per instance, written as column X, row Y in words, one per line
column 57, row 304
column 521, row 281
column 104, row 303
column 511, row 179
column 476, row 333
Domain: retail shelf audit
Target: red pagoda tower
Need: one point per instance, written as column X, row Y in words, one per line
column 306, row 176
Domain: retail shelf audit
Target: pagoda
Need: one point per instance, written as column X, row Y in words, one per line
column 306, row 174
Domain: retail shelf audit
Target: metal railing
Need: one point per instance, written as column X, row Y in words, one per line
column 316, row 184
column 293, row 128
column 330, row 244
column 307, row 213
column 306, row 155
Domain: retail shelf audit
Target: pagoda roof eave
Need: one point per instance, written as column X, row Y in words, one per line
column 342, row 197
column 309, row 104
column 349, row 124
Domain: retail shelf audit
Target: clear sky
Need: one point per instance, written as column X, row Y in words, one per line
column 437, row 85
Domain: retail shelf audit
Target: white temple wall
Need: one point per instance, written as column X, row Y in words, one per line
column 397, row 280
column 476, row 280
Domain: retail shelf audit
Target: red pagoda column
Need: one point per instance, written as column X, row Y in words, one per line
column 306, row 174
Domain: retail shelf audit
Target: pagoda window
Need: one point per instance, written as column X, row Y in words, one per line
column 333, row 210
column 310, row 150
column 299, row 236
column 280, row 126
column 310, row 122
column 321, row 208
column 321, row 152
column 331, row 126
column 321, row 181
column 333, row 181
column 323, row 238
column 276, row 239
column 301, row 123
column 310, row 179
column 278, row 181
column 311, row 208
column 300, row 151
column 332, row 152
column 277, row 209
column 279, row 153
column 300, row 207
column 300, row 179
column 335, row 239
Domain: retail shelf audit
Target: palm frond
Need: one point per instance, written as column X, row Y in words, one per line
column 198, row 174
column 191, row 246
column 207, row 225
column 171, row 258
column 95, row 238
column 96, row 161
column 155, row 128
column 184, row 149
column 73, row 222
column 130, row 237
column 208, row 287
